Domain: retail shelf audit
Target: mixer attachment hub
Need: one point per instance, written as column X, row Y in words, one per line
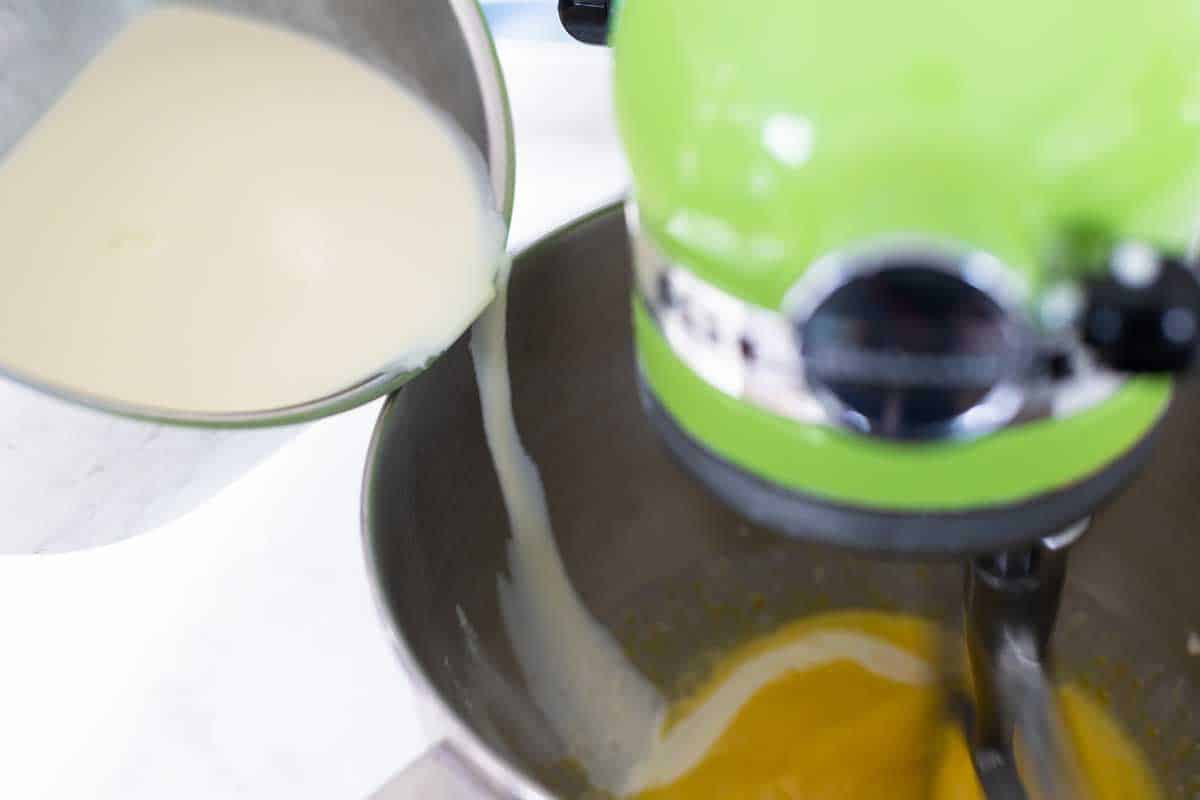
column 917, row 345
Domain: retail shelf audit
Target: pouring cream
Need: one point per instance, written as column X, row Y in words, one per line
column 613, row 721
column 220, row 216
column 602, row 708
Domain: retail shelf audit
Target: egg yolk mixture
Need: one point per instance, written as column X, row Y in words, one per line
column 846, row 705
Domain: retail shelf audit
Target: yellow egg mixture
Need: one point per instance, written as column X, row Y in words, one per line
column 846, row 705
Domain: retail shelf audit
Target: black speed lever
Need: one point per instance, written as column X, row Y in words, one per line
column 1143, row 314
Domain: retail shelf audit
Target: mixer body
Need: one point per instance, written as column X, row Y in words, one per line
column 866, row 251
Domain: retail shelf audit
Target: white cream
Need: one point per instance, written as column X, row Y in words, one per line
column 219, row 216
column 605, row 712
column 609, row 716
column 685, row 744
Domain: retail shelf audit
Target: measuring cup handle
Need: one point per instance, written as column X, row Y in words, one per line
column 442, row 773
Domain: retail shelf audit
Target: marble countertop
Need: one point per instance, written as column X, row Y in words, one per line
column 236, row 652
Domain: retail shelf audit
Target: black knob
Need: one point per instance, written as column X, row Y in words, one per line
column 586, row 20
column 1144, row 315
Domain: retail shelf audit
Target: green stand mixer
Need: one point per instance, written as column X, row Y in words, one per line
column 908, row 288
column 873, row 304
column 909, row 278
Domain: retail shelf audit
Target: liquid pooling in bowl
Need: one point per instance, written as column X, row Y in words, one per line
column 847, row 705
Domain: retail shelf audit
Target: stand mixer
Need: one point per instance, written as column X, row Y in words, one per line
column 676, row 574
column 909, row 278
column 892, row 304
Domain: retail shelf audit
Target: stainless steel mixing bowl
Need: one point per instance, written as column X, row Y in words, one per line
column 76, row 477
column 675, row 575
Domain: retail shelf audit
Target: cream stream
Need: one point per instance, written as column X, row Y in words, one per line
column 610, row 717
column 600, row 706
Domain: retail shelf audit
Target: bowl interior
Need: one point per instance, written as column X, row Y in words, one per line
column 675, row 575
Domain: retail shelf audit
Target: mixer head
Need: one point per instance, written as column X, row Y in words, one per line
column 909, row 276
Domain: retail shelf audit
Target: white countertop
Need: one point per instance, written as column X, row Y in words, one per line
column 236, row 652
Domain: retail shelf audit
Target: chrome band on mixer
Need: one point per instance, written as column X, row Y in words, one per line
column 769, row 358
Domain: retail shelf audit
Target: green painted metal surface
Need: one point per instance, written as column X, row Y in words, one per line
column 763, row 135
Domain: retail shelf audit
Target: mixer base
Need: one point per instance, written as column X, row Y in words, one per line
column 934, row 534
